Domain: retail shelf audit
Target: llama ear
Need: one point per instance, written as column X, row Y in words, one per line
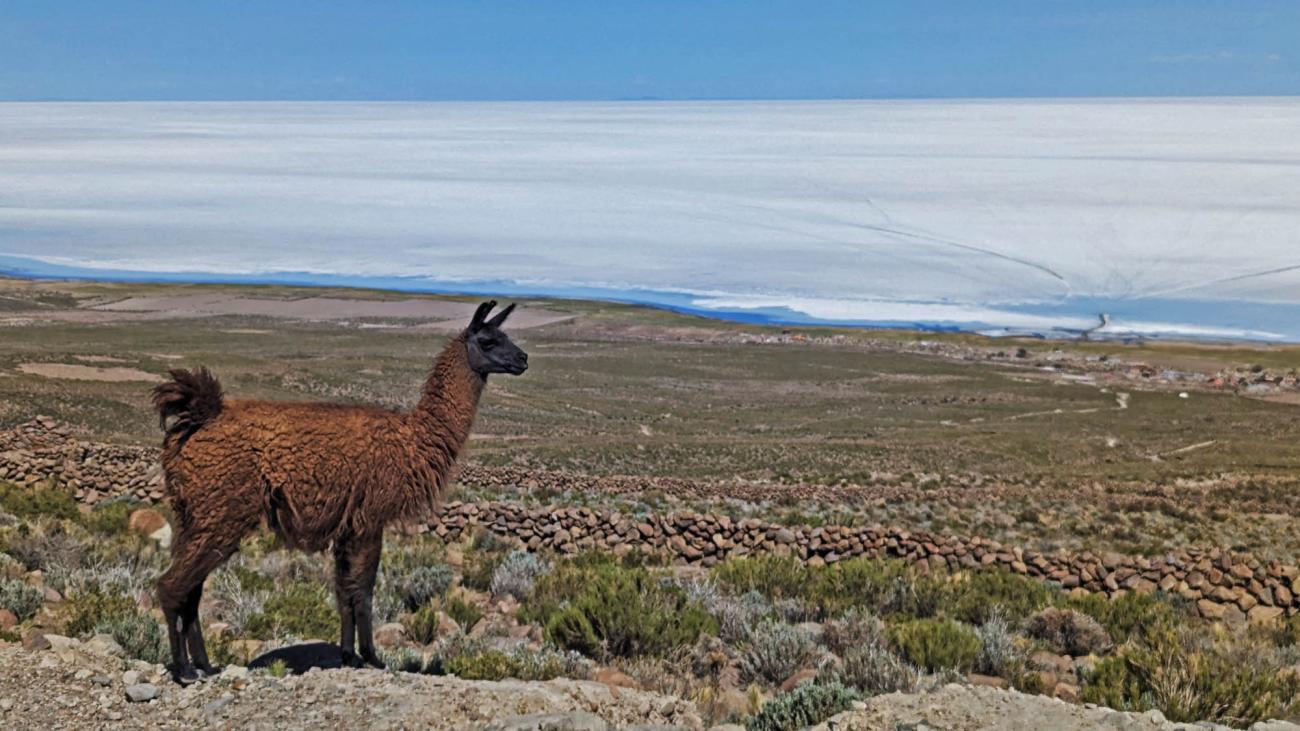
column 502, row 315
column 481, row 313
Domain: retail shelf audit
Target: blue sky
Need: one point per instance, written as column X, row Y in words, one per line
column 429, row 50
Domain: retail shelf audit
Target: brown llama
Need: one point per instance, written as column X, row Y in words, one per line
column 317, row 474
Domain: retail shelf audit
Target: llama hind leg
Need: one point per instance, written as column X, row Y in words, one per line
column 343, row 597
column 355, row 587
column 194, row 635
column 179, row 590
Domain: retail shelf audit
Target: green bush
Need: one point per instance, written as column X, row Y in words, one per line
column 138, row 634
column 776, row 650
column 109, row 517
column 301, row 609
column 873, row 669
column 1129, row 615
column 33, row 502
column 807, row 705
column 770, row 575
column 1016, row 596
column 486, row 665
column 422, row 624
column 89, row 609
column 404, row 660
column 467, row 657
column 23, row 600
column 422, row 584
column 854, row 629
column 466, row 613
column 1189, row 680
column 936, row 644
column 595, row 606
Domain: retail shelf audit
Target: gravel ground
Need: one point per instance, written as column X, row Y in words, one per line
column 85, row 685
column 78, row 686
column 966, row 708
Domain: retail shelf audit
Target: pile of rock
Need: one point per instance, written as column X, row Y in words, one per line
column 43, row 449
column 1226, row 586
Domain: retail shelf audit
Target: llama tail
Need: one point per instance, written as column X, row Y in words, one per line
column 189, row 400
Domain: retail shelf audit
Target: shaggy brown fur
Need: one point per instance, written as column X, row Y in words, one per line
column 317, row 474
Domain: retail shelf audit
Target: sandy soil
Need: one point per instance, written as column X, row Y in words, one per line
column 433, row 313
column 86, row 373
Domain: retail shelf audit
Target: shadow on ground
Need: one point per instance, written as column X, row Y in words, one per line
column 301, row 658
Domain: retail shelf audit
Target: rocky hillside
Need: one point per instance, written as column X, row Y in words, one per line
column 75, row 685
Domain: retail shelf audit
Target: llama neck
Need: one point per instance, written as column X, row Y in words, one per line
column 447, row 406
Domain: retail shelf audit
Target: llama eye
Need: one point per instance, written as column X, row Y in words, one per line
column 489, row 344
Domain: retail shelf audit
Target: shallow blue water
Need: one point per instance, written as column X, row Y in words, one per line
column 1240, row 317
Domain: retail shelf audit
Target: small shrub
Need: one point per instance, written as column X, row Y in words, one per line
column 302, row 609
column 770, row 575
column 486, row 553
column 1189, row 680
column 109, row 517
column 854, row 629
column 517, row 573
column 1015, row 596
column 1129, row 615
column 422, row 624
column 46, row 545
column 34, row 502
column 278, row 668
column 937, row 644
column 23, row 600
column 467, row 657
column 486, row 665
column 807, row 705
column 593, row 605
column 1069, row 632
column 404, row 660
column 89, row 609
column 873, row 669
column 737, row 617
column 999, row 654
column 139, row 635
column 423, row 584
column 466, row 613
column 776, row 650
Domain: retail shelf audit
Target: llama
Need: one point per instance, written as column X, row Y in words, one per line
column 317, row 474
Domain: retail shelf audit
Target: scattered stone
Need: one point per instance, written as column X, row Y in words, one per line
column 576, row 721
column 142, row 692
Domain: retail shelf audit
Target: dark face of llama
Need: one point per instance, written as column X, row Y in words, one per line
column 490, row 349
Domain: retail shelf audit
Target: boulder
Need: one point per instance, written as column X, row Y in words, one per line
column 142, row 692
column 390, row 635
column 145, row 521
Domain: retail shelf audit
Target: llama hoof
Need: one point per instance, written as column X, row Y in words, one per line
column 376, row 663
column 186, row 675
column 351, row 659
column 210, row 671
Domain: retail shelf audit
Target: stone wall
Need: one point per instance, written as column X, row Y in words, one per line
column 1225, row 586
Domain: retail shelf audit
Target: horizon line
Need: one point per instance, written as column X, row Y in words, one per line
column 633, row 100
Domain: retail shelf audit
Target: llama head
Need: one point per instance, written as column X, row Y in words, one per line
column 490, row 349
